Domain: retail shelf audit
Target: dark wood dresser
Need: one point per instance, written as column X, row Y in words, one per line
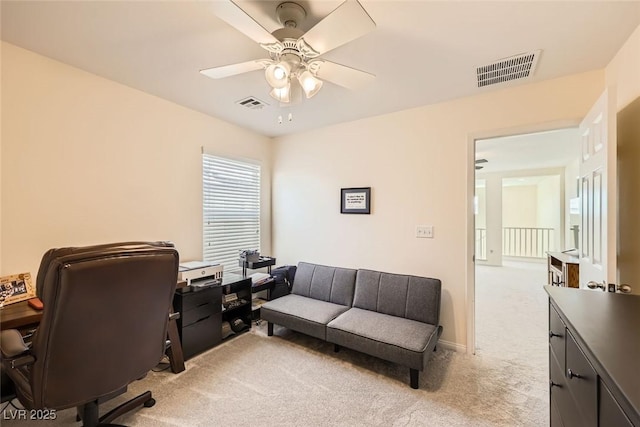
column 594, row 358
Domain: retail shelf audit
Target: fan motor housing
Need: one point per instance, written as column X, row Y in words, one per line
column 290, row 14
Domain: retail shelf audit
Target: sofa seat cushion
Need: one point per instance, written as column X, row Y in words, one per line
column 396, row 339
column 307, row 315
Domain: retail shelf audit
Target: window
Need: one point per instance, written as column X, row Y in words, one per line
column 231, row 209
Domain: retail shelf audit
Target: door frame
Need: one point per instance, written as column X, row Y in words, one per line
column 470, row 293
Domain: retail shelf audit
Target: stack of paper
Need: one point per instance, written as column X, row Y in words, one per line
column 259, row 278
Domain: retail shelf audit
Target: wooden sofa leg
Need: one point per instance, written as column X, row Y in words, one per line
column 414, row 375
column 270, row 329
column 336, row 348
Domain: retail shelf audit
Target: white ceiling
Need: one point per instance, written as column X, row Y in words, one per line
column 422, row 52
column 542, row 150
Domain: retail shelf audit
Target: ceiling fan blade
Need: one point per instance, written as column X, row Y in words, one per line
column 233, row 69
column 348, row 22
column 233, row 15
column 341, row 74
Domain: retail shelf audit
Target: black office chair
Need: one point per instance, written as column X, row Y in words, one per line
column 104, row 325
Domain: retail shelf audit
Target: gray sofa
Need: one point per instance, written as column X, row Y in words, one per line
column 391, row 316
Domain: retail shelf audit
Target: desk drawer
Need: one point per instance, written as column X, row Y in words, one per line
column 197, row 298
column 202, row 335
column 557, row 335
column 583, row 382
column 206, row 309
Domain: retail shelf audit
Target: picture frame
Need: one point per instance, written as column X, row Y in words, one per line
column 16, row 288
column 355, row 200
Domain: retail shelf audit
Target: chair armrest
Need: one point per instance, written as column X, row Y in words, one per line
column 14, row 350
column 12, row 344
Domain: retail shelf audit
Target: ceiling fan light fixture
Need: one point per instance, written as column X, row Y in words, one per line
column 277, row 75
column 281, row 94
column 310, row 83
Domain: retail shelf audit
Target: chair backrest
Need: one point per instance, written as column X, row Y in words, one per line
column 104, row 322
column 331, row 284
column 411, row 297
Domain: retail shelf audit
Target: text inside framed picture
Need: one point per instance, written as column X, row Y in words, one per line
column 355, row 200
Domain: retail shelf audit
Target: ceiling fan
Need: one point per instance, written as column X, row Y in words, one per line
column 479, row 161
column 294, row 64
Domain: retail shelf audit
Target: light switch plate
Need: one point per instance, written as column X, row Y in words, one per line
column 424, row 231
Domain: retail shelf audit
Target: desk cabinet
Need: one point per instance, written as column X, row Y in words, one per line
column 593, row 358
column 202, row 311
column 200, row 323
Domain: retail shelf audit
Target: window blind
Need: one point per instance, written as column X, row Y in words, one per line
column 231, row 209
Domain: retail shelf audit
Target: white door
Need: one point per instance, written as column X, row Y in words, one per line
column 598, row 199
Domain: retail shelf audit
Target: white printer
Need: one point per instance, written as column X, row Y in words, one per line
column 200, row 273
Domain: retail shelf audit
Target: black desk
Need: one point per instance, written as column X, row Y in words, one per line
column 202, row 312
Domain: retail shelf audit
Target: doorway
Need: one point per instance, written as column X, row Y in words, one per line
column 523, row 187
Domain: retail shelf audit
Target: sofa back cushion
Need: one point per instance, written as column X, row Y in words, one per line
column 411, row 297
column 331, row 284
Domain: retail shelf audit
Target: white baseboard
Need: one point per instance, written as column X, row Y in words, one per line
column 452, row 346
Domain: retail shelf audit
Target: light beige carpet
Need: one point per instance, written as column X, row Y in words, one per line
column 294, row 380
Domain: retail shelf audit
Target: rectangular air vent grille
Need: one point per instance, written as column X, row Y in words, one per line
column 252, row 102
column 515, row 67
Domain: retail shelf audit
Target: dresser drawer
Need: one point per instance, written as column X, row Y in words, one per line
column 610, row 414
column 583, row 382
column 563, row 408
column 557, row 335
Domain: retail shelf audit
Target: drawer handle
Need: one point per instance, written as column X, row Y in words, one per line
column 552, row 384
column 552, row 334
column 572, row 374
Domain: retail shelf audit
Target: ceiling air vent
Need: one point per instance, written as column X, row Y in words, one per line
column 513, row 68
column 252, row 102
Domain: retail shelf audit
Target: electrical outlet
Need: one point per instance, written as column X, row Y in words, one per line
column 424, row 231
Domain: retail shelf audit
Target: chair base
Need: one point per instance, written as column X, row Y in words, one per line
column 88, row 413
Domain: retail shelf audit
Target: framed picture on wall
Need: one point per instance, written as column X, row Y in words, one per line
column 355, row 200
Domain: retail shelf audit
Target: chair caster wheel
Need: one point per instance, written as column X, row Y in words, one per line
column 149, row 403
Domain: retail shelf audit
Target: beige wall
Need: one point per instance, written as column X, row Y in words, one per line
column 623, row 72
column 628, row 128
column 519, row 206
column 418, row 164
column 86, row 160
